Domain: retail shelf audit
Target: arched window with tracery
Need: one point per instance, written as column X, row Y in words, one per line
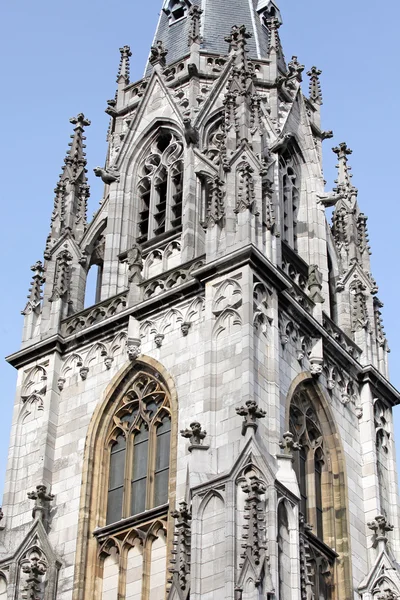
column 289, row 198
column 160, row 186
column 317, row 502
column 309, row 461
column 139, row 450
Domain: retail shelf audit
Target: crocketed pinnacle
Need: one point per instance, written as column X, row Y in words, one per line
column 344, row 176
column 75, row 161
column 124, row 65
column 315, row 85
column 72, row 190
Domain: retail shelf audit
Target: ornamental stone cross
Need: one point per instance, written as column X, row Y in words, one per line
column 196, row 436
column 288, row 445
column 251, row 412
column 380, row 526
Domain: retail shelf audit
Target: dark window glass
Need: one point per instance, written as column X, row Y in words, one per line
column 139, row 471
column 116, row 481
column 318, row 496
column 303, row 481
column 162, row 463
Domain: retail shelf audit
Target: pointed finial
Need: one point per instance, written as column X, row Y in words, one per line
column 124, row 65
column 237, row 39
column 72, row 191
column 75, row 158
column 344, row 177
column 195, row 13
column 315, row 85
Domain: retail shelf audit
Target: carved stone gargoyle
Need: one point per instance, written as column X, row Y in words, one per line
column 108, row 176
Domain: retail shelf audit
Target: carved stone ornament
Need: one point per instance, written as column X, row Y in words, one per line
column 62, row 276
column 316, row 366
column 185, row 327
column 254, row 537
column 314, row 284
column 245, row 198
column 288, row 445
column 158, row 54
column 107, row 176
column 180, row 568
column 195, row 13
column 124, row 64
column 108, row 361
column 83, row 372
column 251, row 413
column 191, row 133
column 315, row 85
column 34, row 567
column 380, row 526
column 196, row 436
column 135, row 264
column 134, row 351
column 159, row 338
column 42, row 498
column 215, row 207
column 35, row 291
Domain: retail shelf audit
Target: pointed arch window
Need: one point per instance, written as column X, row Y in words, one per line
column 160, row 187
column 289, row 199
column 317, row 497
column 309, row 461
column 139, row 450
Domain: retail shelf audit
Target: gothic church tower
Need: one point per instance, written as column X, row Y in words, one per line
column 219, row 424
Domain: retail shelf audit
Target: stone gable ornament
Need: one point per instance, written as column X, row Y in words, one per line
column 251, row 413
column 196, row 435
column 380, row 527
column 288, row 445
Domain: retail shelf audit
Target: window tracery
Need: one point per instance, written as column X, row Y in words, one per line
column 139, row 447
column 290, row 199
column 160, row 187
column 311, row 467
column 309, row 461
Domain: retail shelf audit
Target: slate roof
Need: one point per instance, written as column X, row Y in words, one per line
column 218, row 18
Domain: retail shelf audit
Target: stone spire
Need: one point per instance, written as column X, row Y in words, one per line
column 72, row 190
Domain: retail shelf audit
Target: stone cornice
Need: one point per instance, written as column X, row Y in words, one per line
column 381, row 387
column 269, row 273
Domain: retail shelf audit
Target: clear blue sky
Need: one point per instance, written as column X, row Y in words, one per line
column 61, row 58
